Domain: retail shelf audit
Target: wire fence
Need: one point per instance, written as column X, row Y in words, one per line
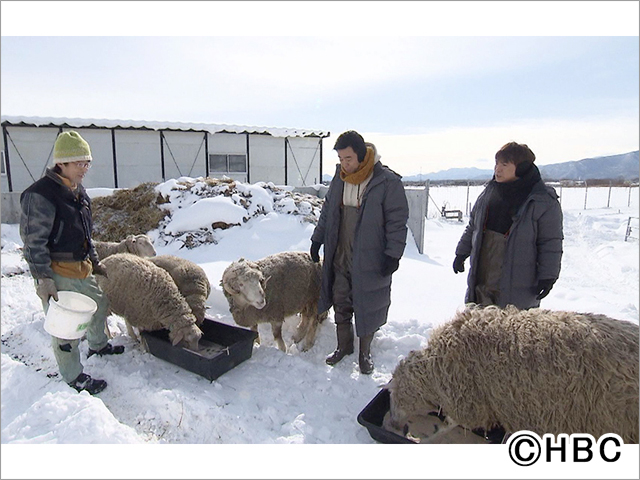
column 585, row 197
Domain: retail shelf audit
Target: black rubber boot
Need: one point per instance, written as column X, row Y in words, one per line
column 364, row 358
column 91, row 385
column 107, row 350
column 344, row 332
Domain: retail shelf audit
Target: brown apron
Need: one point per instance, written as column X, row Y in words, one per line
column 489, row 271
column 342, row 300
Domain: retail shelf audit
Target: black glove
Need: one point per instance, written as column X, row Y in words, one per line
column 98, row 269
column 458, row 264
column 45, row 288
column 544, row 287
column 390, row 265
column 315, row 251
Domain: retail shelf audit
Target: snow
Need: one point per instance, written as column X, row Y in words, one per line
column 205, row 212
column 276, row 398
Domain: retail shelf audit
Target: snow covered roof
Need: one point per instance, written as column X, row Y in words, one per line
column 153, row 125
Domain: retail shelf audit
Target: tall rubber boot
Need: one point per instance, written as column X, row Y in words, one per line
column 364, row 358
column 344, row 332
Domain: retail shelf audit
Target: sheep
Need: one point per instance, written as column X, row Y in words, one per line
column 148, row 298
column 137, row 244
column 539, row 370
column 191, row 280
column 273, row 288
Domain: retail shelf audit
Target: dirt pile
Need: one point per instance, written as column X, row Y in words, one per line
column 128, row 211
column 151, row 206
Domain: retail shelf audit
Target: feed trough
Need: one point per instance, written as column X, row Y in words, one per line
column 222, row 347
column 422, row 429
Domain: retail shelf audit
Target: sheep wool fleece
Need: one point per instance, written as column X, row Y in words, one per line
column 381, row 229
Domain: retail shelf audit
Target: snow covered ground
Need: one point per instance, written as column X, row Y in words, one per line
column 274, row 397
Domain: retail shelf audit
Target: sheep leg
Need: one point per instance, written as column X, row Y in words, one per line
column 255, row 329
column 143, row 344
column 107, row 331
column 132, row 333
column 310, row 331
column 276, row 327
column 301, row 329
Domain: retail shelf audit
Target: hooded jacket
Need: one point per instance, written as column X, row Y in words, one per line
column 533, row 250
column 381, row 229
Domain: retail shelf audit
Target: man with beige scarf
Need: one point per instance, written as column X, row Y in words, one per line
column 363, row 227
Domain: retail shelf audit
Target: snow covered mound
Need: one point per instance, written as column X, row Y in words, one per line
column 199, row 209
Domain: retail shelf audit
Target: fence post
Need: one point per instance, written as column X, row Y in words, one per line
column 560, row 195
column 426, row 199
column 586, row 189
column 609, row 197
column 467, row 202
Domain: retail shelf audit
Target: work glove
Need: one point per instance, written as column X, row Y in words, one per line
column 315, row 251
column 458, row 264
column 390, row 265
column 544, row 287
column 45, row 288
column 98, row 269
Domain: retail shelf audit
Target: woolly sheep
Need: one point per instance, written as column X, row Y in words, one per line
column 137, row 244
column 148, row 298
column 539, row 370
column 191, row 280
column 273, row 288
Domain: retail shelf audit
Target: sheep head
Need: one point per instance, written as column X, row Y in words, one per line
column 189, row 335
column 402, row 406
column 244, row 281
column 140, row 245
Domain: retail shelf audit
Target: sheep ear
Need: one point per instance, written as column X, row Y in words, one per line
column 265, row 281
column 129, row 241
column 178, row 338
column 227, row 286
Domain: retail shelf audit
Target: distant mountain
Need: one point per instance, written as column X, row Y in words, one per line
column 471, row 173
column 625, row 166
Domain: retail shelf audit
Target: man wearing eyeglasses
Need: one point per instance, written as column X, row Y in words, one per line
column 55, row 226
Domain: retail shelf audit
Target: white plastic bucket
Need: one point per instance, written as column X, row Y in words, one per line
column 69, row 317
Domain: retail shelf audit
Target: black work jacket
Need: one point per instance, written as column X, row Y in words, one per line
column 55, row 224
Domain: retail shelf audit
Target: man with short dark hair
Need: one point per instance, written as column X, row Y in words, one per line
column 363, row 226
column 55, row 226
column 514, row 236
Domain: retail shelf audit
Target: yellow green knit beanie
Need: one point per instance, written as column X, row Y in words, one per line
column 71, row 147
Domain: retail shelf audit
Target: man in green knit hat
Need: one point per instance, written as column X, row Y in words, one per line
column 55, row 226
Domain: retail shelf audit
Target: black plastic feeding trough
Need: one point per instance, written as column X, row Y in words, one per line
column 373, row 414
column 222, row 347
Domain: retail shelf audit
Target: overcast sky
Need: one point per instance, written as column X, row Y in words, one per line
column 488, row 73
